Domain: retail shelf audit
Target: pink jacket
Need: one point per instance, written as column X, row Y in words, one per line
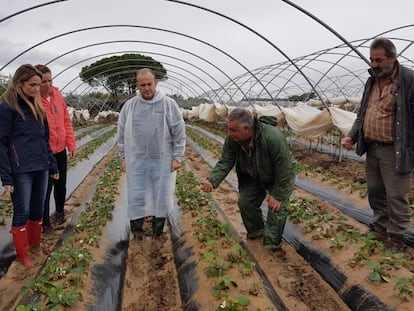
column 61, row 133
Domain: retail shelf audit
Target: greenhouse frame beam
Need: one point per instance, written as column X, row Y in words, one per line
column 133, row 26
column 153, row 43
column 256, row 33
column 147, row 52
column 173, row 65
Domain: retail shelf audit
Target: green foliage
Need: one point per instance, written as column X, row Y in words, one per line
column 255, row 289
column 303, row 97
column 217, row 268
column 205, row 142
column 4, row 80
column 89, row 131
column 241, row 304
column 237, row 254
column 379, row 272
column 58, row 285
column 6, row 209
column 302, row 167
column 246, row 268
column 31, row 307
column 221, row 132
column 370, row 247
column 211, row 232
column 188, row 194
column 118, row 73
column 223, row 283
column 210, row 229
column 396, row 261
column 404, row 287
column 300, row 210
column 86, row 150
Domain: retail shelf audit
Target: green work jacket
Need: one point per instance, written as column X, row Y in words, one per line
column 273, row 160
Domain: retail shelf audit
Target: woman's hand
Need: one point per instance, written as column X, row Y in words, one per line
column 9, row 188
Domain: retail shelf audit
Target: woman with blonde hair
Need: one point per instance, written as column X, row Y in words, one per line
column 26, row 158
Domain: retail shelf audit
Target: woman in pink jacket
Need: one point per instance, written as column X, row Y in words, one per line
column 61, row 137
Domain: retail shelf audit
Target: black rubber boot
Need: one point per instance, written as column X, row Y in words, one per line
column 136, row 228
column 158, row 226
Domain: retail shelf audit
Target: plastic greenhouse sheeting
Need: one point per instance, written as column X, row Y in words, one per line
column 342, row 119
column 207, row 112
column 304, row 119
column 307, row 121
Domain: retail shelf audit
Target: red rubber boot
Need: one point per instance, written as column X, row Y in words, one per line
column 21, row 243
column 34, row 231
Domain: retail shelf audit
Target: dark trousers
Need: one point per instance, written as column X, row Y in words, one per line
column 59, row 188
column 387, row 191
column 251, row 197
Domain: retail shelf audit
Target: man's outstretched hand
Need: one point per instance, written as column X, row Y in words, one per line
column 206, row 186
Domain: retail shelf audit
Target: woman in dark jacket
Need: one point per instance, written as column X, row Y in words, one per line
column 26, row 158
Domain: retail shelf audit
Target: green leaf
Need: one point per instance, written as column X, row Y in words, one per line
column 243, row 301
column 374, row 277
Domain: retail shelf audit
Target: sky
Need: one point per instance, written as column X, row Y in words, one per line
column 200, row 49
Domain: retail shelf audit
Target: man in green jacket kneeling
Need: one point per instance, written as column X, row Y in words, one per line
column 264, row 169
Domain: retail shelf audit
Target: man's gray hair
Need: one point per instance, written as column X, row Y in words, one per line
column 242, row 115
column 385, row 44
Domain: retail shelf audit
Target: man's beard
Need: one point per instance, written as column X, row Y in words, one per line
column 381, row 73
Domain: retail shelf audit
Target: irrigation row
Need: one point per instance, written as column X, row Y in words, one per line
column 94, row 132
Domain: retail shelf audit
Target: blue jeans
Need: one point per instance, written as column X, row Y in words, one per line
column 29, row 196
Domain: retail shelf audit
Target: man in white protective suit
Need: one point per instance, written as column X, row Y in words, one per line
column 151, row 140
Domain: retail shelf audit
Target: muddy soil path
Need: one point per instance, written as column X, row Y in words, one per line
column 151, row 281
